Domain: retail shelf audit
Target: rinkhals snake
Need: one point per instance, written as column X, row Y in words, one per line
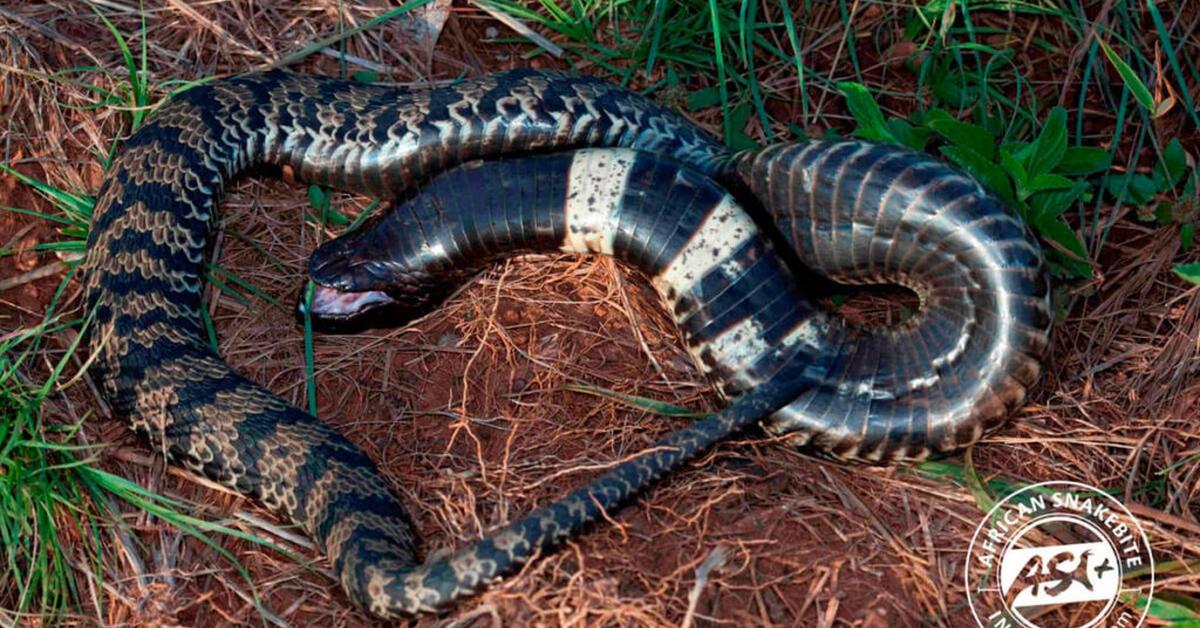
column 855, row 212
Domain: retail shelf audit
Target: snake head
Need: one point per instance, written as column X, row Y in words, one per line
column 361, row 284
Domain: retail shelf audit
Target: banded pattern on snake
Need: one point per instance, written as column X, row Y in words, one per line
column 857, row 212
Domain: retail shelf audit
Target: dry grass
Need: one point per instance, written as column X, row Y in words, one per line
column 468, row 416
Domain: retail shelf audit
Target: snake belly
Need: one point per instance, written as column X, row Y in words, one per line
column 143, row 280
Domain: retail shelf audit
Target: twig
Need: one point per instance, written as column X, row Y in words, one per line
column 263, row 524
column 357, row 60
column 250, row 599
column 715, row 558
column 33, row 275
column 18, row 235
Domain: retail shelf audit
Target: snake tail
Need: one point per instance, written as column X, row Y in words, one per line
column 431, row 587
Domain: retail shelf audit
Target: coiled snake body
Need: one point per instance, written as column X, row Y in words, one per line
column 856, row 212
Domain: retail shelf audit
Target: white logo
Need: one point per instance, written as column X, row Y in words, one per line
column 1055, row 552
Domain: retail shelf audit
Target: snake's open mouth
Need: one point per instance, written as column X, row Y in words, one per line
column 332, row 304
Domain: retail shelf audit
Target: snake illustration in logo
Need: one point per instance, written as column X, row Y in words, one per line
column 1058, row 552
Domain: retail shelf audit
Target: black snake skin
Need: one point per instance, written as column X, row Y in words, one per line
column 859, row 213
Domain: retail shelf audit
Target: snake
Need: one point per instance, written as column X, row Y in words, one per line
column 530, row 160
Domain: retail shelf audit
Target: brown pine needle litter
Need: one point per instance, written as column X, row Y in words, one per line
column 475, row 413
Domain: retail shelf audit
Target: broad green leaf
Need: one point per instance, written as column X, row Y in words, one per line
column 871, row 125
column 1173, row 164
column 703, row 98
column 366, row 76
column 1141, row 189
column 1190, row 272
column 982, row 169
column 738, row 139
column 1137, row 189
column 1021, row 151
column 965, row 134
column 1135, row 84
column 1015, row 168
column 328, row 217
column 1164, row 213
column 914, row 137
column 1046, row 182
column 1051, row 205
column 1051, row 144
column 1187, row 236
column 949, row 89
column 1059, row 232
column 1083, row 160
column 318, row 197
column 1074, row 255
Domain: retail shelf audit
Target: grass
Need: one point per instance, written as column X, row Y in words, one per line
column 58, row 520
column 52, row 494
column 961, row 81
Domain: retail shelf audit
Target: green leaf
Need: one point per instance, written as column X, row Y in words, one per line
column 965, row 134
column 318, row 197
column 328, row 217
column 1164, row 213
column 1141, row 189
column 1083, row 160
column 1173, row 164
column 914, row 137
column 1045, row 182
column 365, row 76
column 703, row 98
column 1135, row 84
column 1051, row 205
column 975, row 484
column 862, row 105
column 1137, row 189
column 1170, row 611
column 1051, row 144
column 1068, row 245
column 1187, row 236
column 951, row 91
column 1021, row 151
column 1015, row 168
column 982, row 169
column 1190, row 272
column 738, row 139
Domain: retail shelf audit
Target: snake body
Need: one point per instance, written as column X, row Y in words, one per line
column 853, row 211
column 930, row 385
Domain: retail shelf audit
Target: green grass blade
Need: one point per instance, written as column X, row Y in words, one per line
column 1135, row 84
column 660, row 408
column 719, row 55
